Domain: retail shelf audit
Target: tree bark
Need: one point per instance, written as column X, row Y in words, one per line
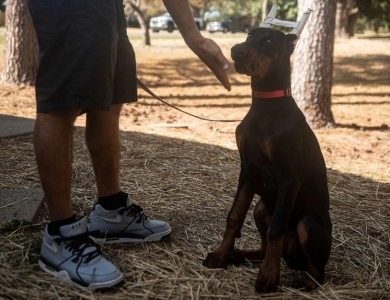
column 20, row 46
column 313, row 62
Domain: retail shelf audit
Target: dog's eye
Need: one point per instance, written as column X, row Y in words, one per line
column 267, row 42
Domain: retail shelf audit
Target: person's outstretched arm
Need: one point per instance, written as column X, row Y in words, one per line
column 206, row 49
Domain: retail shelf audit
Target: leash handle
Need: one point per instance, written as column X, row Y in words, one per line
column 146, row 89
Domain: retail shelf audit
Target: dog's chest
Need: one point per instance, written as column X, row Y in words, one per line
column 257, row 162
column 258, row 137
column 261, row 141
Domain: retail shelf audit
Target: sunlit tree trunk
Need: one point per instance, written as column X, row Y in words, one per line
column 20, row 46
column 313, row 62
column 264, row 10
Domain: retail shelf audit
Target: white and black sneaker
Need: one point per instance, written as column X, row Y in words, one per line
column 73, row 257
column 125, row 225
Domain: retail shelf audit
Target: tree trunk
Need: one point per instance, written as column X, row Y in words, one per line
column 264, row 11
column 142, row 22
column 346, row 18
column 20, row 46
column 313, row 62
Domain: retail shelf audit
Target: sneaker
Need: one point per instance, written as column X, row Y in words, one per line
column 125, row 225
column 73, row 257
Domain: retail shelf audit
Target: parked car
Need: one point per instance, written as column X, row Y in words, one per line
column 214, row 27
column 165, row 22
column 232, row 24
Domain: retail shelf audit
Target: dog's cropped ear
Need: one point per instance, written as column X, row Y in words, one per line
column 291, row 39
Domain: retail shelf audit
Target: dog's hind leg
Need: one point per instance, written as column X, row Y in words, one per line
column 235, row 220
column 315, row 241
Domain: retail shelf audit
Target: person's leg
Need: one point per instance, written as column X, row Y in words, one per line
column 53, row 151
column 114, row 218
column 69, row 77
column 103, row 142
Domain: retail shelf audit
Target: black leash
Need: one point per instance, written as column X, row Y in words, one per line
column 146, row 89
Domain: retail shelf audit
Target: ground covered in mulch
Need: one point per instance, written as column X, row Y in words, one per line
column 185, row 170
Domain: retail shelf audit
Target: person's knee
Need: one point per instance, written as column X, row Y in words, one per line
column 56, row 119
column 106, row 116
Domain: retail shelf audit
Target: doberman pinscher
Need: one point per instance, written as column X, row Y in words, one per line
column 281, row 161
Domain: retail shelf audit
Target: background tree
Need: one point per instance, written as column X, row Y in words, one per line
column 347, row 14
column 20, row 45
column 144, row 10
column 264, row 9
column 313, row 62
column 133, row 6
column 200, row 6
column 377, row 12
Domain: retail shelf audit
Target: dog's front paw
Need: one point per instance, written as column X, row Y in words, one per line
column 267, row 282
column 305, row 282
column 214, row 261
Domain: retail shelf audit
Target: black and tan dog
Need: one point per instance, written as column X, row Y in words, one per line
column 281, row 161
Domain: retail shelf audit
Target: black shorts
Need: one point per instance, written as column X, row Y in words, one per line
column 86, row 60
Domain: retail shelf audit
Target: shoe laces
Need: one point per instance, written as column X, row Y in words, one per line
column 82, row 246
column 134, row 211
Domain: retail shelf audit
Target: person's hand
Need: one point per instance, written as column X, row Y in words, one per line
column 207, row 50
column 210, row 53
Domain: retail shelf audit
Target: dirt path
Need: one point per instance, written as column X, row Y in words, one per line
column 361, row 100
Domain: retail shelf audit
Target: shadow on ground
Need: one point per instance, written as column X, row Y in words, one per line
column 364, row 70
column 192, row 186
column 182, row 72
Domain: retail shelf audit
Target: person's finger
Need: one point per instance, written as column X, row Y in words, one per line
column 219, row 66
column 221, row 74
column 211, row 55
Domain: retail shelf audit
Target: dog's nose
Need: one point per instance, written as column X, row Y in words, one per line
column 238, row 52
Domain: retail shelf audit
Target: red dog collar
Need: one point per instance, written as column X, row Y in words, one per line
column 272, row 94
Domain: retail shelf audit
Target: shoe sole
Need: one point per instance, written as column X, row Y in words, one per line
column 64, row 276
column 157, row 237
